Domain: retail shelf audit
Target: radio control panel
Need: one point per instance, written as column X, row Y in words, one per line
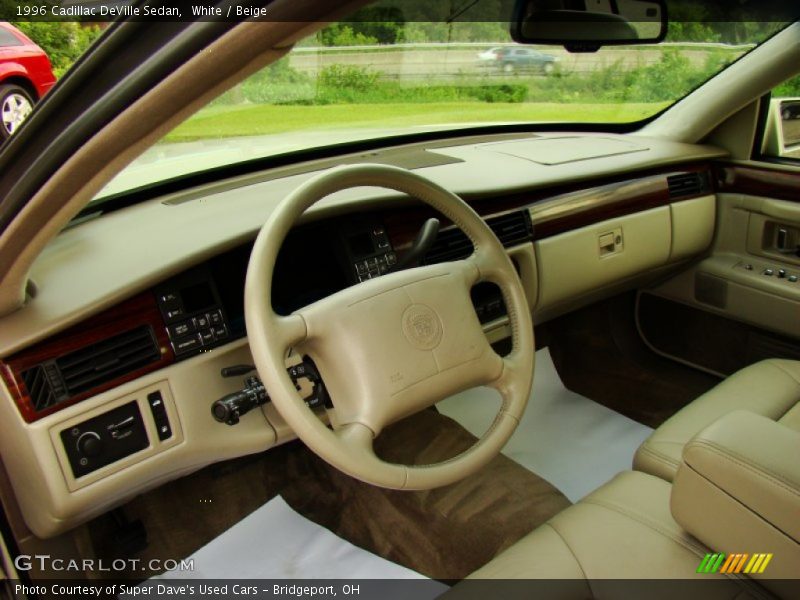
column 193, row 313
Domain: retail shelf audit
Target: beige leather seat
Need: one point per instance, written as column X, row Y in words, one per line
column 770, row 388
column 639, row 526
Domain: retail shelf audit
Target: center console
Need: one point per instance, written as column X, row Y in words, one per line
column 738, row 489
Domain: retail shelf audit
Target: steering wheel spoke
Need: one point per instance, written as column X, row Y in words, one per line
column 289, row 330
column 357, row 437
column 511, row 383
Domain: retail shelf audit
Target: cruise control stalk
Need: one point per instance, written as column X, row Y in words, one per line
column 230, row 408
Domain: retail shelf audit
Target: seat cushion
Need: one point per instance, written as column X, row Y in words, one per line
column 770, row 388
column 623, row 530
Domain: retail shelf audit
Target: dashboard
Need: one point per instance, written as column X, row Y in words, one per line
column 110, row 382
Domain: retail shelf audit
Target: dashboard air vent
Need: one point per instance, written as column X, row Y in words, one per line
column 452, row 244
column 44, row 386
column 81, row 370
column 687, row 184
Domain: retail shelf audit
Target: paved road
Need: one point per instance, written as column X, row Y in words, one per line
column 416, row 64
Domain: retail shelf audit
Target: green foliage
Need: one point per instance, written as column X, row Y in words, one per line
column 669, row 78
column 344, row 35
column 512, row 93
column 278, row 83
column 691, row 31
column 347, row 77
column 63, row 41
column 788, row 89
column 369, row 26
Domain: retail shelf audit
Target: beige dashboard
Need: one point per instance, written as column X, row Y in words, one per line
column 620, row 228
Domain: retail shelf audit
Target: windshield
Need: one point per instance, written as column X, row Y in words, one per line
column 366, row 80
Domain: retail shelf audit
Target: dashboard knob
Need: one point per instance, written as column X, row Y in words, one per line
column 90, row 444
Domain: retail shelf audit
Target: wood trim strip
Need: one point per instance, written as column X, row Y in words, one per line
column 130, row 314
column 560, row 210
column 754, row 181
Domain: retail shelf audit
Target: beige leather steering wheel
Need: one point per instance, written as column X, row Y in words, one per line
column 394, row 345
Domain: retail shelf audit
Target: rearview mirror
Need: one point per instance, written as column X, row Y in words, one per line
column 586, row 25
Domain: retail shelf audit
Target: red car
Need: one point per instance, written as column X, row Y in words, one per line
column 25, row 75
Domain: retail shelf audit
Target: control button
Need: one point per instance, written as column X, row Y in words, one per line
column 314, row 402
column 748, row 267
column 361, row 267
column 155, row 401
column 391, row 258
column 372, row 262
column 174, row 313
column 378, row 231
column 164, row 430
column 792, row 278
column 169, row 297
column 122, row 425
column 383, row 269
column 220, row 332
column 90, row 444
column 769, row 272
column 782, row 273
column 181, row 329
column 159, row 415
column 383, row 242
column 201, row 322
column 297, row 371
column 206, row 337
column 215, row 318
column 186, row 344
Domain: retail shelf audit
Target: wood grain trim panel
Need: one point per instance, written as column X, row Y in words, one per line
column 573, row 211
column 135, row 312
column 770, row 183
column 560, row 210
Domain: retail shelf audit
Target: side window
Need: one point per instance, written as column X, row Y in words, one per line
column 8, row 39
column 782, row 131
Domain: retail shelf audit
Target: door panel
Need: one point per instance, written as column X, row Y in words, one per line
column 750, row 277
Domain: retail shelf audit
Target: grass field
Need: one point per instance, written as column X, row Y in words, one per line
column 246, row 120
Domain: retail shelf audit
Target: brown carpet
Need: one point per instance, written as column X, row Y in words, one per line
column 445, row 533
column 599, row 354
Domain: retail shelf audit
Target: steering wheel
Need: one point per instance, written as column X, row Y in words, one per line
column 394, row 345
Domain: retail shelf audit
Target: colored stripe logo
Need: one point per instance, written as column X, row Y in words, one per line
column 734, row 563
